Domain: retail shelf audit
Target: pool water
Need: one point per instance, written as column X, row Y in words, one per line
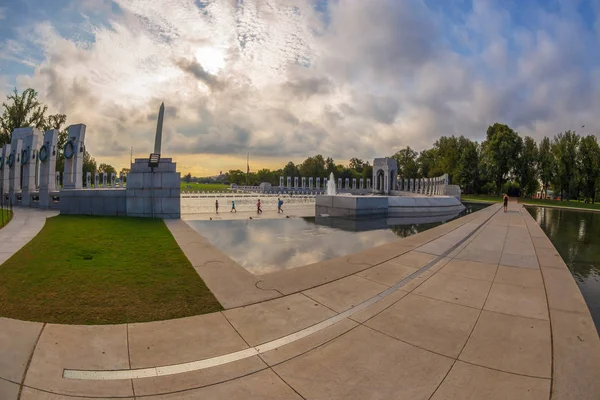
column 267, row 245
column 576, row 236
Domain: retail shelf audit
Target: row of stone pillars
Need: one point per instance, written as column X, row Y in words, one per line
column 301, row 183
column 28, row 165
column 425, row 186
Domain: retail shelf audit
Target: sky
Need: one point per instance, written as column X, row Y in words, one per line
column 288, row 79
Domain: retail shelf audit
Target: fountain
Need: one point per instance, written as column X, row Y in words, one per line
column 331, row 185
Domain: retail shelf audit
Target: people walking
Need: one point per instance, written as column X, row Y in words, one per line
column 217, row 206
column 505, row 200
column 279, row 204
column 233, row 206
column 258, row 209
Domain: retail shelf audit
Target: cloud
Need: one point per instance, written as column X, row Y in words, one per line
column 195, row 68
column 287, row 79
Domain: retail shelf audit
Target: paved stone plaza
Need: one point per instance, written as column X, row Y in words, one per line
column 482, row 307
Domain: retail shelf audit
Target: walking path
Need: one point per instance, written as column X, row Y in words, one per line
column 482, row 307
column 25, row 224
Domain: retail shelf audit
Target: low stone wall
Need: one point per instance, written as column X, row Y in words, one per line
column 351, row 206
column 93, row 202
column 355, row 207
column 415, row 206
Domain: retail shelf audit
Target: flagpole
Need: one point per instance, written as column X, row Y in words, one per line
column 247, row 167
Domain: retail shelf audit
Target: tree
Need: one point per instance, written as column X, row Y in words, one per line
column 187, row 178
column 266, row 175
column 565, row 153
column 407, row 163
column 527, row 167
column 108, row 169
column 236, row 176
column 123, row 173
column 589, row 156
column 356, row 164
column 23, row 110
column 501, row 150
column 546, row 164
column 367, row 172
column 312, row 166
column 291, row 170
column 329, row 166
column 89, row 164
column 468, row 168
column 447, row 156
column 427, row 163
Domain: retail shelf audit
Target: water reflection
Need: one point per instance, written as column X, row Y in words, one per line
column 575, row 234
column 263, row 246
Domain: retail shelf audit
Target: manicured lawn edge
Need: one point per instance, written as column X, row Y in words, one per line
column 102, row 270
column 7, row 216
column 568, row 205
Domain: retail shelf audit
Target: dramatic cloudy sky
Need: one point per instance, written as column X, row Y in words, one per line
column 287, row 79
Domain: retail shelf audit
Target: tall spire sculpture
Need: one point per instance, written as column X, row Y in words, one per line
column 159, row 124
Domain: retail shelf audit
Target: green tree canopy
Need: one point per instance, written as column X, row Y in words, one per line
column 527, row 167
column 589, row 156
column 407, row 163
column 21, row 110
column 109, row 169
column 291, row 170
column 565, row 152
column 501, row 152
column 312, row 166
column 467, row 172
column 546, row 164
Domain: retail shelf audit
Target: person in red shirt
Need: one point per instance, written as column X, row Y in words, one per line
column 258, row 209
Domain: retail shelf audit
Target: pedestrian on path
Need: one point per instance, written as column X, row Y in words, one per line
column 258, row 209
column 505, row 199
column 217, row 206
column 233, row 206
column 279, row 204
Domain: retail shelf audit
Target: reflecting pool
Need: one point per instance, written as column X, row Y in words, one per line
column 269, row 245
column 576, row 236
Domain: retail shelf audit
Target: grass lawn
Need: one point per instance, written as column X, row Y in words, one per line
column 203, row 187
column 558, row 203
column 5, row 217
column 102, row 270
column 536, row 202
column 481, row 197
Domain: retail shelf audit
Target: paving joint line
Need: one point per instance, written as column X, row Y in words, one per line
column 268, row 346
column 29, row 361
column 476, row 322
column 549, row 309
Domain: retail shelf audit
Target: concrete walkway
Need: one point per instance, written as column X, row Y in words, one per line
column 479, row 308
column 25, row 224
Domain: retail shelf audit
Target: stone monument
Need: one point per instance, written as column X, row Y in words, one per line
column 154, row 191
column 29, row 164
column 4, row 171
column 14, row 163
column 47, row 158
column 74, row 151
